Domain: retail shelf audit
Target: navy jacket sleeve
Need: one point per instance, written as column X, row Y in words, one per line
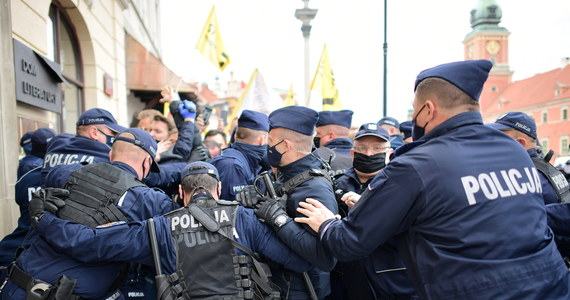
column 140, row 203
column 377, row 216
column 232, row 176
column 120, row 242
column 57, row 176
column 318, row 189
column 167, row 179
column 183, row 146
column 306, row 245
column 263, row 240
column 559, row 221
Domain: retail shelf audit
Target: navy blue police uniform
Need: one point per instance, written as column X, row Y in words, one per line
column 554, row 187
column 240, row 164
column 26, row 144
column 130, row 242
column 406, row 129
column 25, row 186
column 337, row 151
column 94, row 280
column 39, row 140
column 382, row 274
column 464, row 202
column 301, row 120
column 67, row 149
column 396, row 140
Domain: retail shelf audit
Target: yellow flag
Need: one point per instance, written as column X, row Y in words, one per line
column 210, row 43
column 324, row 83
column 290, row 100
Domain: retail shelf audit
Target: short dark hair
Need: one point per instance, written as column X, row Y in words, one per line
column 214, row 132
column 449, row 95
column 193, row 181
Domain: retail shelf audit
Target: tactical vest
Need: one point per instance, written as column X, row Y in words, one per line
column 555, row 177
column 94, row 193
column 207, row 259
column 287, row 187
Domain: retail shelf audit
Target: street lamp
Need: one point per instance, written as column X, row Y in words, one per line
column 306, row 15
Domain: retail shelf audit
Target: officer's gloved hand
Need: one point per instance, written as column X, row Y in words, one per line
column 271, row 212
column 248, row 197
column 50, row 199
column 187, row 109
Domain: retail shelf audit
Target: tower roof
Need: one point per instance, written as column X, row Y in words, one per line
column 486, row 13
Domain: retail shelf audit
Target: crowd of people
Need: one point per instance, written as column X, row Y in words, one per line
column 294, row 205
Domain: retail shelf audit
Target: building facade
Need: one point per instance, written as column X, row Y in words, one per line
column 545, row 97
column 62, row 57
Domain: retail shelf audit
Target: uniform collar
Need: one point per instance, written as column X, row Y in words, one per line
column 123, row 166
column 532, row 152
column 308, row 162
column 460, row 120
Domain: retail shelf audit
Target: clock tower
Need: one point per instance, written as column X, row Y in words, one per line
column 489, row 41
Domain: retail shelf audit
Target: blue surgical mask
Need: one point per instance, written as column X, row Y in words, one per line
column 417, row 131
column 274, row 156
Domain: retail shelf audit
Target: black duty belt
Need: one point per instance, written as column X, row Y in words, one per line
column 27, row 282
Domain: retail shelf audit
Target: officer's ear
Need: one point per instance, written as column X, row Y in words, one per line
column 219, row 190
column 431, row 108
column 352, row 153
column 111, row 155
column 522, row 141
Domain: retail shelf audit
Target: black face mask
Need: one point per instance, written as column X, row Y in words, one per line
column 317, row 141
column 417, row 131
column 369, row 164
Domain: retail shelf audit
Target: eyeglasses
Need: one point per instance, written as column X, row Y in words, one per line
column 374, row 148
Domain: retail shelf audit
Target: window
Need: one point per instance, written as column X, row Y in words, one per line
column 544, row 117
column 63, row 48
column 564, row 146
column 544, row 145
column 564, row 114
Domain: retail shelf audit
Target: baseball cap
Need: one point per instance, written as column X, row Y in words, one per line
column 200, row 167
column 389, row 121
column 372, row 129
column 144, row 141
column 100, row 116
column 517, row 121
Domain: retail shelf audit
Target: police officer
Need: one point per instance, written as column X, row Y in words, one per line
column 393, row 127
column 300, row 175
column 98, row 193
column 383, row 274
column 406, row 130
column 95, row 131
column 38, row 141
column 25, row 186
column 240, row 164
column 209, row 262
column 332, row 138
column 463, row 201
column 522, row 129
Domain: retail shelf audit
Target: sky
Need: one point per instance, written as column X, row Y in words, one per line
column 265, row 34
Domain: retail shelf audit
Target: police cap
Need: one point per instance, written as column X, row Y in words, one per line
column 517, row 121
column 253, row 120
column 372, row 129
column 200, row 167
column 389, row 121
column 297, row 118
column 26, row 138
column 469, row 76
column 99, row 116
column 40, row 139
column 340, row 117
column 406, row 129
column 144, row 141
